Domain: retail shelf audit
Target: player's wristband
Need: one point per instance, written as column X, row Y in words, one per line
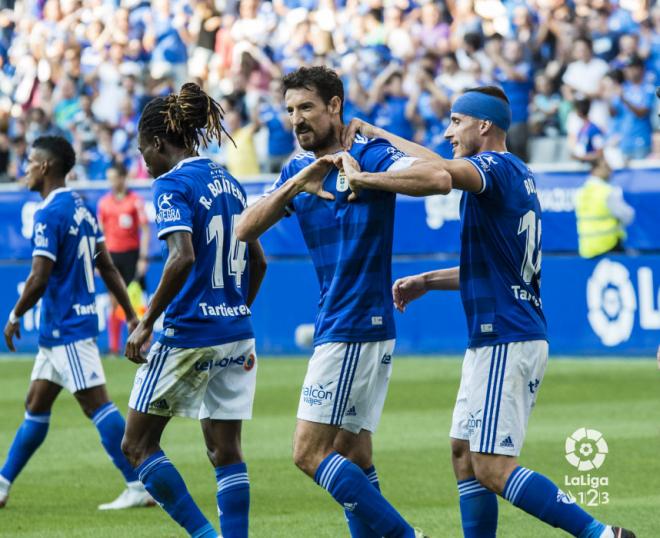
column 13, row 319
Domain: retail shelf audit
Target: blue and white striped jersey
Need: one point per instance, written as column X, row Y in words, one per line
column 351, row 247
column 500, row 272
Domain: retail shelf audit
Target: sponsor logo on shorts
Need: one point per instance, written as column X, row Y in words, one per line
column 241, row 360
column 387, row 359
column 316, row 394
column 533, row 385
column 474, row 422
column 249, row 362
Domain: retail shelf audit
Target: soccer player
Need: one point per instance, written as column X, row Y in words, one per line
column 499, row 280
column 350, row 243
column 126, row 230
column 68, row 246
column 204, row 363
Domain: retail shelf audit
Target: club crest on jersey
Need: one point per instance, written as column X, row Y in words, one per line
column 166, row 211
column 485, row 162
column 342, row 181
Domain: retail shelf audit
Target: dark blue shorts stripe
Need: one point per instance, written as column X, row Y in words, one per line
column 151, row 370
column 354, row 364
column 339, row 383
column 156, row 378
column 499, row 397
column 485, row 417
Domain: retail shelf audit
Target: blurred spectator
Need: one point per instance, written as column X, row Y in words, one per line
column 18, row 155
column 240, row 155
column 601, row 213
column 40, row 125
column 273, row 115
column 635, row 101
column 588, row 142
column 387, row 103
column 81, row 62
column 583, row 77
column 544, row 119
column 515, row 76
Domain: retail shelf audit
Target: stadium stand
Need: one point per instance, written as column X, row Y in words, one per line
column 87, row 69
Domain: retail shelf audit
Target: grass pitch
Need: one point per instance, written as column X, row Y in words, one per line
column 57, row 493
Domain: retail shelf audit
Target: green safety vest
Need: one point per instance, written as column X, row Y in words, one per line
column 598, row 230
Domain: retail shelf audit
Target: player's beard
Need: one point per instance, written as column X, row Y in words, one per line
column 318, row 141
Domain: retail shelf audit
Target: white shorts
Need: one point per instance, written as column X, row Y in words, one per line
column 346, row 384
column 75, row 366
column 215, row 382
column 499, row 385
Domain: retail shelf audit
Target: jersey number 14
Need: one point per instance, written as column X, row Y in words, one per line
column 531, row 265
column 236, row 261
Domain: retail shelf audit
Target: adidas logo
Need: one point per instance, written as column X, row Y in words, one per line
column 160, row 404
column 351, row 412
column 350, row 506
column 93, row 376
column 507, row 443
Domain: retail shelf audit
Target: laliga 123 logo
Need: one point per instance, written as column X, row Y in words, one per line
column 586, row 449
column 612, row 302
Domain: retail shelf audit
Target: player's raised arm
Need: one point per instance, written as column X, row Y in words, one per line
column 259, row 217
column 478, row 120
column 35, row 287
column 421, row 178
column 180, row 260
column 113, row 281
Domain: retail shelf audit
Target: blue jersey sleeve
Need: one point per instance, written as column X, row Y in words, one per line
column 493, row 169
column 378, row 155
column 173, row 203
column 45, row 235
column 285, row 174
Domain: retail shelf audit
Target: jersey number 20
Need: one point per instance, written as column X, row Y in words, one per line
column 235, row 261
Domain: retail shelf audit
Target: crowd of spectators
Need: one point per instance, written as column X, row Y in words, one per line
column 578, row 72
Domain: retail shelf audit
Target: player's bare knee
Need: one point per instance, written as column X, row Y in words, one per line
column 491, row 471
column 228, row 454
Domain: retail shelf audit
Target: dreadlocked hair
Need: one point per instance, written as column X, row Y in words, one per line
column 185, row 119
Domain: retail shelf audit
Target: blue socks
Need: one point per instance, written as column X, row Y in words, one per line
column 29, row 436
column 233, row 499
column 351, row 488
column 110, row 425
column 478, row 509
column 538, row 496
column 594, row 530
column 358, row 528
column 165, row 484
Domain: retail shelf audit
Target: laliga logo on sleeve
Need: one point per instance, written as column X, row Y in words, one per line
column 612, row 303
column 586, row 449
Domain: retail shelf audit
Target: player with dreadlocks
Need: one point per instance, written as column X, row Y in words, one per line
column 203, row 364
